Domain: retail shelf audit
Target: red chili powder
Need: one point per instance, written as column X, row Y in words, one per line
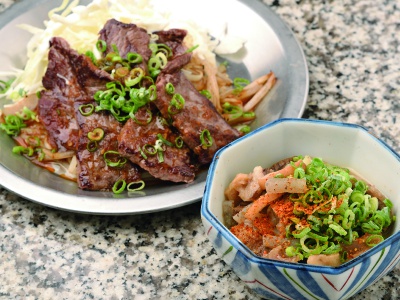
column 284, row 210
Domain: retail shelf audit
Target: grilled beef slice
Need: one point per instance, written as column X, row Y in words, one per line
column 69, row 76
column 93, row 172
column 173, row 38
column 176, row 166
column 197, row 115
column 55, row 107
column 71, row 80
column 126, row 38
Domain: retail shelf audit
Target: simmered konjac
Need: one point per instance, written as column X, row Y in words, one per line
column 303, row 209
column 135, row 108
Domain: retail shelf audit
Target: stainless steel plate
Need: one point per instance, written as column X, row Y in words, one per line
column 270, row 46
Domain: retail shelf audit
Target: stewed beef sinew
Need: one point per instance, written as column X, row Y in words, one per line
column 304, row 210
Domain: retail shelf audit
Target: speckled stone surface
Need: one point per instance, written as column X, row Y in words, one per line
column 353, row 52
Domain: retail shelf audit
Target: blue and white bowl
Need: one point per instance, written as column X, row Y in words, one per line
column 346, row 145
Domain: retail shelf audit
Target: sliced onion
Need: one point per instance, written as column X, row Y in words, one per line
column 73, row 165
column 29, row 101
column 57, row 155
column 192, row 76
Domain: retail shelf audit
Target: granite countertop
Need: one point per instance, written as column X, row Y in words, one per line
column 353, row 53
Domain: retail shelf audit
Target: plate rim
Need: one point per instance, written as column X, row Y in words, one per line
column 104, row 205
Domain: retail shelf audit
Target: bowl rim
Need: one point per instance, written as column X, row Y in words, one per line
column 239, row 246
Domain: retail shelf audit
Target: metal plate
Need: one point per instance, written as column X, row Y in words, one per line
column 270, row 45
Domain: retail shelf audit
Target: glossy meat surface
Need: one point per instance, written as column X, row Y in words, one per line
column 126, row 38
column 197, row 115
column 176, row 165
column 93, row 172
column 173, row 38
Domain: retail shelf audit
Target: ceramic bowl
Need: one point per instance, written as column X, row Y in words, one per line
column 346, row 145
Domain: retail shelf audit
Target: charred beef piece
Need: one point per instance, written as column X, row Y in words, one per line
column 71, row 80
column 57, row 115
column 197, row 115
column 93, row 172
column 176, row 165
column 55, row 107
column 173, row 38
column 127, row 38
column 69, row 76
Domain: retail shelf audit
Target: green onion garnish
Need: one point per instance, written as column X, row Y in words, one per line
column 23, row 150
column 86, row 109
column 239, row 83
column 91, row 146
column 101, row 46
column 176, row 105
column 119, row 186
column 135, row 186
column 96, row 135
column 114, row 159
column 337, row 210
column 206, row 93
column 206, row 139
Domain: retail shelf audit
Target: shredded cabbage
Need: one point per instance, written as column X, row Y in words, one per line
column 80, row 25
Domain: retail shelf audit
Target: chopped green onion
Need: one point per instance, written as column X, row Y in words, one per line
column 191, row 49
column 92, row 57
column 13, row 125
column 23, row 150
column 243, row 128
column 142, row 153
column 101, row 46
column 160, row 151
column 206, row 93
column 373, row 240
column 179, row 142
column 42, row 155
column 337, row 210
column 119, row 186
column 160, row 48
column 339, row 229
column 249, row 114
column 115, row 49
column 177, row 103
column 147, row 121
column 96, row 135
column 169, row 88
column 121, row 72
column 206, row 139
column 123, row 102
column 22, row 92
column 233, row 111
column 135, row 76
column 302, row 233
column 157, row 148
column 135, row 186
column 86, row 109
column 27, row 114
column 164, row 141
column 134, row 58
column 239, row 84
column 388, row 203
column 92, row 146
column 114, row 159
column 149, row 149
